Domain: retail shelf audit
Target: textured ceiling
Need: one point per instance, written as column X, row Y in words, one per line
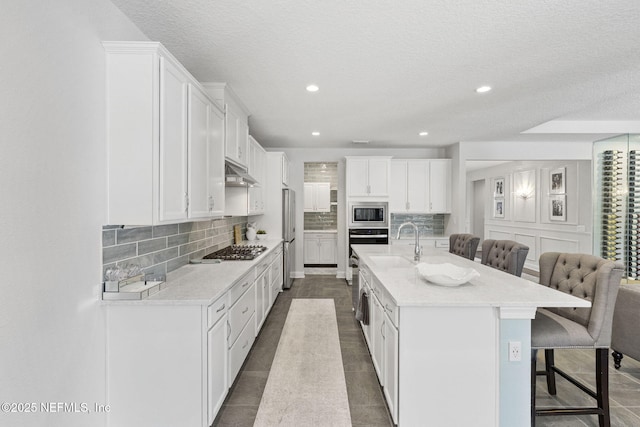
column 388, row 70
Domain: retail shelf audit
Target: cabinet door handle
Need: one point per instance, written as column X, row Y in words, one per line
column 246, row 343
column 186, row 202
column 228, row 330
column 245, row 310
column 388, row 308
column 220, row 309
column 245, row 285
column 382, row 329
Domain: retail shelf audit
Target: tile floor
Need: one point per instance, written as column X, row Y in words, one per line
column 366, row 401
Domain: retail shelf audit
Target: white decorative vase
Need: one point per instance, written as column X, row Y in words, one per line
column 262, row 236
column 251, row 234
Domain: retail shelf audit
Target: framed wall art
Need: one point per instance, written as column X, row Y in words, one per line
column 558, row 208
column 498, row 187
column 498, row 208
column 557, row 184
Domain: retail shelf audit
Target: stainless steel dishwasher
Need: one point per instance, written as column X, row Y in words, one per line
column 355, row 281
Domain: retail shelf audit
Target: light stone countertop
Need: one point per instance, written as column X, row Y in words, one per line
column 202, row 284
column 493, row 288
column 321, row 231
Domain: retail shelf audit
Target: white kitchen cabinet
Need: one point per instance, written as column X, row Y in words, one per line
column 376, row 318
column 320, row 248
column 217, row 384
column 440, row 186
column 276, row 275
column 420, row 186
column 174, row 197
column 236, row 122
column 285, row 170
column 237, row 132
column 390, row 362
column 368, row 176
column 205, row 181
column 409, row 180
column 158, row 137
column 216, row 162
column 317, row 197
column 170, row 369
column 242, row 327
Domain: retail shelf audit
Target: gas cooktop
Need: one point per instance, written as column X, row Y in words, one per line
column 237, row 252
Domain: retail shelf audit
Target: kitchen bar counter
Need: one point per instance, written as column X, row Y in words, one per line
column 442, row 354
column 493, row 288
column 202, row 284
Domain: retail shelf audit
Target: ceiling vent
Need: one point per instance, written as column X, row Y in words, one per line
column 360, row 141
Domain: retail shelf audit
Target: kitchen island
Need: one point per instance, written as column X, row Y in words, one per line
column 442, row 353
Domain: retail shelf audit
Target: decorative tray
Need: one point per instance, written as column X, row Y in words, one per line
column 446, row 274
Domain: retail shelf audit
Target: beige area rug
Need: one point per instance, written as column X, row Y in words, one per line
column 306, row 384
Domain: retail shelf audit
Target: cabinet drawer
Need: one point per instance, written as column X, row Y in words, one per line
column 391, row 309
column 240, row 313
column 263, row 265
column 216, row 310
column 241, row 287
column 238, row 352
column 276, row 270
column 442, row 243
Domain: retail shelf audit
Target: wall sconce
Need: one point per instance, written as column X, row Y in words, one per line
column 525, row 192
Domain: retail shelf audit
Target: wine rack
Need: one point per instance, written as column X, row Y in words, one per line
column 612, row 201
column 632, row 262
column 617, row 191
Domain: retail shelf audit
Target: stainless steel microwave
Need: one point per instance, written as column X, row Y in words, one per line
column 368, row 214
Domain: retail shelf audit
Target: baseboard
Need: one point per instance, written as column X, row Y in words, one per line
column 297, row 274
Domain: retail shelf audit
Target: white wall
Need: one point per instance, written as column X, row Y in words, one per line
column 528, row 220
column 52, row 170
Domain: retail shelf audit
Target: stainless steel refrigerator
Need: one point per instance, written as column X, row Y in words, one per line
column 288, row 233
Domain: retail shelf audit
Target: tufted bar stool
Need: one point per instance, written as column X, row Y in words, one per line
column 505, row 255
column 625, row 334
column 596, row 280
column 464, row 245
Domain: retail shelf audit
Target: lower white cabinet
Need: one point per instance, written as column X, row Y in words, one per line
column 320, row 248
column 390, row 362
column 217, row 384
column 165, row 365
column 381, row 335
column 376, row 319
column 240, row 349
column 172, row 364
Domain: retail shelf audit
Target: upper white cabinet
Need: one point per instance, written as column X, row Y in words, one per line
column 440, row 186
column 236, row 123
column 420, row 186
column 285, row 170
column 317, row 197
column 368, row 176
column 410, row 190
column 161, row 143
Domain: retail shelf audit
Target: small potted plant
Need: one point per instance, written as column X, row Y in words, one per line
column 261, row 234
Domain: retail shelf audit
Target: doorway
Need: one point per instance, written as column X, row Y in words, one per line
column 320, row 217
column 478, row 208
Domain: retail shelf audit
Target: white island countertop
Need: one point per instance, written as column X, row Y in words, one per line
column 492, row 288
column 202, row 284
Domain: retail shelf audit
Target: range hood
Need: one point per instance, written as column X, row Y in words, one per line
column 237, row 176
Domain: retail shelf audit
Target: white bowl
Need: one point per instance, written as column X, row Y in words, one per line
column 261, row 236
column 446, row 274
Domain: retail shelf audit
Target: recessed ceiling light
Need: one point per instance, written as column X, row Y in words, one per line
column 312, row 88
column 315, row 133
column 483, row 89
column 423, row 133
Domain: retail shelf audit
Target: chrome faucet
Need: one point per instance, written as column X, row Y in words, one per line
column 417, row 251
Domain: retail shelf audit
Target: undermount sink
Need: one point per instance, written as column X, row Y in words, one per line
column 391, row 261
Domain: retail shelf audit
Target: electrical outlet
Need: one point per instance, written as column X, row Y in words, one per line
column 515, row 351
